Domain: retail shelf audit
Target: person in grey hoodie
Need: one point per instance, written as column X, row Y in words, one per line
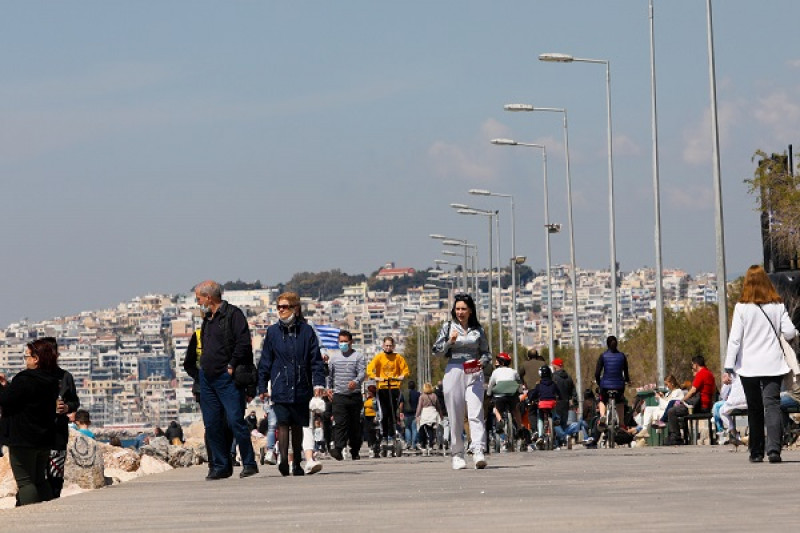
column 347, row 372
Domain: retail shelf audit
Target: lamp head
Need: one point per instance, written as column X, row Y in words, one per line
column 480, row 192
column 556, row 58
column 518, row 107
column 504, row 142
column 459, row 206
column 436, row 236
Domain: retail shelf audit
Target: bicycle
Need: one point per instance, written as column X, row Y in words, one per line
column 611, row 420
column 546, row 415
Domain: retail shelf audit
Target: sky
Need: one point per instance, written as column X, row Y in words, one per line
column 149, row 145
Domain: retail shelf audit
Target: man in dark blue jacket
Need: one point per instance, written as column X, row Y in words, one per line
column 291, row 361
column 225, row 338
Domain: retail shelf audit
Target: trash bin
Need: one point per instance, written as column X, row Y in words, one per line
column 657, row 435
column 649, row 396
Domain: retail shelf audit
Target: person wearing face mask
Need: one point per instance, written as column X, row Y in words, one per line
column 291, row 363
column 463, row 341
column 388, row 369
column 347, row 373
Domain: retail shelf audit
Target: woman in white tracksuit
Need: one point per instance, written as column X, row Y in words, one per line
column 464, row 342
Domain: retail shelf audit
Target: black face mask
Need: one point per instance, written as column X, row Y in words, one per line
column 388, row 352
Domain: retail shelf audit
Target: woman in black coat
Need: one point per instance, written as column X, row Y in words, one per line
column 29, row 405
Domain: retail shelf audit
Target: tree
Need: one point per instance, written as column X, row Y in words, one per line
column 778, row 197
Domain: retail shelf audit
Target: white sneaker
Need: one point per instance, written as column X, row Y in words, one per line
column 270, row 458
column 480, row 460
column 459, row 463
column 312, row 467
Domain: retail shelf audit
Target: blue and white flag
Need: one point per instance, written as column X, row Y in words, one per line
column 328, row 336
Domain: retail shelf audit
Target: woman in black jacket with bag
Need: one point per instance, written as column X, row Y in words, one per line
column 29, row 405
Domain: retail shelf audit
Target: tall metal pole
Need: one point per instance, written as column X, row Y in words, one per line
column 612, row 225
column 499, row 286
column 514, row 283
column 657, row 210
column 550, row 342
column 722, row 289
column 489, row 283
column 573, row 273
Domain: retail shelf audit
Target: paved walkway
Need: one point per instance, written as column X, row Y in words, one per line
column 695, row 488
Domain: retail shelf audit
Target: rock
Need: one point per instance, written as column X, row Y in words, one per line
column 152, row 465
column 85, row 464
column 195, row 431
column 120, row 459
column 158, row 448
column 199, row 447
column 8, row 485
column 120, row 476
column 180, row 457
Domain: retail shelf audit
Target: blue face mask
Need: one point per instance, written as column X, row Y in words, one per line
column 344, row 347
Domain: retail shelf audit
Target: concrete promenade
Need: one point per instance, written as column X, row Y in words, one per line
column 693, row 488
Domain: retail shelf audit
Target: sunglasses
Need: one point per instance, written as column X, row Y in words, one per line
column 462, row 297
column 282, row 307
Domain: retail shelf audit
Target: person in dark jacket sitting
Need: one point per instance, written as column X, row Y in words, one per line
column 292, row 362
column 611, row 373
column 29, row 404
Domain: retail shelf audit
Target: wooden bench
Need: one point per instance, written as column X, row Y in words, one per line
column 736, row 413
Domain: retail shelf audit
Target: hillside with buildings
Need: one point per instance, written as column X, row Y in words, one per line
column 128, row 361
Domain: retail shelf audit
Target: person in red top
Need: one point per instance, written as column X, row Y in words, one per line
column 700, row 397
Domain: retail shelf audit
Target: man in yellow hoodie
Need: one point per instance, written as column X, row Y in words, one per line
column 388, row 369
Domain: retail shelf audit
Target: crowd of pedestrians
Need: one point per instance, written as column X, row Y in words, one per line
column 319, row 406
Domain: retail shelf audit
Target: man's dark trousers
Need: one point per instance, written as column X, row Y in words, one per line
column 347, row 421
column 221, row 400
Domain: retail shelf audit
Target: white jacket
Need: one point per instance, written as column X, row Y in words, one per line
column 753, row 348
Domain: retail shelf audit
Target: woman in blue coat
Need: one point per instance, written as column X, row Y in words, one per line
column 292, row 363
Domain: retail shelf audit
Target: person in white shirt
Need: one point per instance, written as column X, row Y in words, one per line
column 755, row 354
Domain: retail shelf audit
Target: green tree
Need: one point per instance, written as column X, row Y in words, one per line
column 777, row 192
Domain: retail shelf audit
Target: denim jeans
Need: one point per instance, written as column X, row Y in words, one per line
column 272, row 423
column 221, row 401
column 717, row 418
column 411, row 430
column 787, row 402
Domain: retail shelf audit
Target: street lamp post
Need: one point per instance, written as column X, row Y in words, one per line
column 573, row 274
column 467, row 210
column 565, row 58
column 660, row 359
column 548, row 229
column 483, row 192
column 722, row 289
column 444, row 238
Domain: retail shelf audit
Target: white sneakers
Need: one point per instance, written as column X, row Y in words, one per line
column 270, row 458
column 459, row 463
column 480, row 460
column 312, row 467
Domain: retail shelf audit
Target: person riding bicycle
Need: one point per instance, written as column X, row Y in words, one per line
column 546, row 394
column 611, row 374
column 504, row 386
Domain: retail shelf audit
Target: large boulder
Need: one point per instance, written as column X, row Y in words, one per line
column 85, row 464
column 158, row 448
column 152, row 465
column 180, row 457
column 196, row 430
column 8, row 485
column 123, row 459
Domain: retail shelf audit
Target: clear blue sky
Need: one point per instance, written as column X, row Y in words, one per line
column 145, row 146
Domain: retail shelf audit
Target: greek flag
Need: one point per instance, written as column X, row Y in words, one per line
column 328, row 336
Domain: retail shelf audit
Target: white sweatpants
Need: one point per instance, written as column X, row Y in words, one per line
column 464, row 392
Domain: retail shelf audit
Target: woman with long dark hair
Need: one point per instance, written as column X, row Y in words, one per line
column 464, row 342
column 29, row 403
column 755, row 354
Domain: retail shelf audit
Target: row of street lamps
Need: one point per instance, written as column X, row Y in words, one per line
column 554, row 228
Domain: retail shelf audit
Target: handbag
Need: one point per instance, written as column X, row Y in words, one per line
column 788, row 353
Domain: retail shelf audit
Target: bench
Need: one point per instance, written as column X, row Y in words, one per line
column 793, row 430
column 693, row 422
